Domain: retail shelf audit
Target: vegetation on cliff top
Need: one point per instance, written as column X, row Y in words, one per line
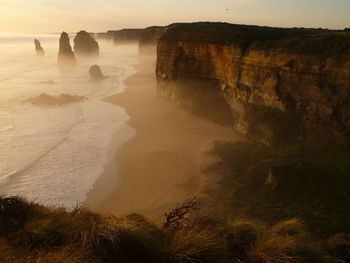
column 301, row 40
column 33, row 233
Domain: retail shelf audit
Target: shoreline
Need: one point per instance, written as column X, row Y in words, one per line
column 162, row 164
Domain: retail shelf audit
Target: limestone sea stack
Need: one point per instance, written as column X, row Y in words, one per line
column 65, row 54
column 96, row 73
column 85, row 44
column 39, row 50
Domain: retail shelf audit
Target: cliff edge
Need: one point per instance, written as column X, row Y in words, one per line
column 127, row 36
column 271, row 84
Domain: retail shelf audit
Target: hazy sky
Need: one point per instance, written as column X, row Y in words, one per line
column 102, row 15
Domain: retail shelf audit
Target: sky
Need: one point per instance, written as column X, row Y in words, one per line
column 46, row 16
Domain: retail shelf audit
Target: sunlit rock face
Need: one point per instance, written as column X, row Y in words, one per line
column 65, row 54
column 280, row 85
column 39, row 50
column 85, row 44
column 96, row 73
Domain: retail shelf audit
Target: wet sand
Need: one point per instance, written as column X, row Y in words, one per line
column 163, row 164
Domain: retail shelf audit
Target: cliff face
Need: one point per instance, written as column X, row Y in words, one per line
column 149, row 39
column 126, row 36
column 271, row 84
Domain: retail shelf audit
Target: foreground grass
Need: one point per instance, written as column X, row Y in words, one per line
column 276, row 183
column 33, row 233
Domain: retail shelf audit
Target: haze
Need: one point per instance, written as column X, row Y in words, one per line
column 102, row 15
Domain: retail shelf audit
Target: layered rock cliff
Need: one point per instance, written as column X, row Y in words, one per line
column 126, row 36
column 149, row 39
column 106, row 35
column 271, row 84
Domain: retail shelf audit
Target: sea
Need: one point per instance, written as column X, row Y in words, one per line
column 53, row 155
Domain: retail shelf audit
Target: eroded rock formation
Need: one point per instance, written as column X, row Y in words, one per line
column 96, row 73
column 39, row 50
column 48, row 100
column 85, row 44
column 275, row 84
column 149, row 39
column 126, row 36
column 65, row 54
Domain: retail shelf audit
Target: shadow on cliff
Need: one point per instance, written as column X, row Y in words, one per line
column 200, row 96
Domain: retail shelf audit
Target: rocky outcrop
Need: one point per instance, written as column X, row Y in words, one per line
column 39, row 50
column 48, row 100
column 65, row 54
column 96, row 73
column 149, row 39
column 85, row 44
column 126, row 36
column 271, row 84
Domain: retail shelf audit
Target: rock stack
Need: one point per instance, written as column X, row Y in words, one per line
column 85, row 44
column 39, row 50
column 65, row 54
column 96, row 73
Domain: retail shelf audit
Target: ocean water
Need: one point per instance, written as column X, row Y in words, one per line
column 54, row 155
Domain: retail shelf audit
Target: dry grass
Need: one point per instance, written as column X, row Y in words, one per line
column 199, row 244
column 241, row 235
column 339, row 246
column 31, row 233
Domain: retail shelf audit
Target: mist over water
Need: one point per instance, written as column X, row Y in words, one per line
column 54, row 154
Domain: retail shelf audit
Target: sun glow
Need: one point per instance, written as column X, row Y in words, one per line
column 54, row 15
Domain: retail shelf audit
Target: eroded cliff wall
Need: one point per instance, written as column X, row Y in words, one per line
column 126, row 36
column 272, row 84
column 149, row 40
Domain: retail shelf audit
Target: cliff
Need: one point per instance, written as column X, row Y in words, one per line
column 149, row 39
column 271, row 84
column 126, row 36
column 105, row 35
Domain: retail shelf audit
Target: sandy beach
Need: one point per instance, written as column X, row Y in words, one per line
column 162, row 165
